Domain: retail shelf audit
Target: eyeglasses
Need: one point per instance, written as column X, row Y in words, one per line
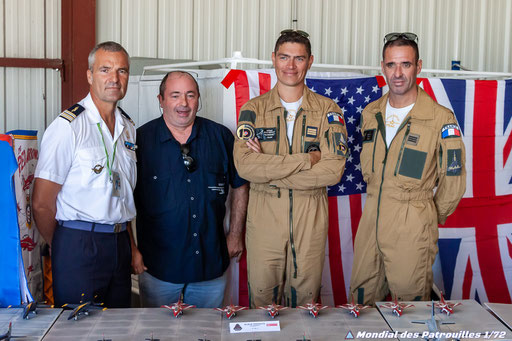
column 188, row 161
column 300, row 32
column 397, row 35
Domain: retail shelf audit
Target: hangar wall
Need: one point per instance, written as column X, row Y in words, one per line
column 478, row 32
column 29, row 98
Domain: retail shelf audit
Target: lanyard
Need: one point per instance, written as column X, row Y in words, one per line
column 106, row 153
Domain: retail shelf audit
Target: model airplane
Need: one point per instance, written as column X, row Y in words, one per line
column 103, row 339
column 8, row 335
column 178, row 307
column 396, row 307
column 353, row 308
column 273, row 309
column 231, row 310
column 82, row 308
column 433, row 325
column 30, row 307
column 446, row 307
column 151, row 338
column 313, row 308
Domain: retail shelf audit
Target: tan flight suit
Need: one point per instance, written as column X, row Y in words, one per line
column 396, row 242
column 287, row 217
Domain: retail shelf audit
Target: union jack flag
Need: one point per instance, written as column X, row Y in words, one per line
column 475, row 245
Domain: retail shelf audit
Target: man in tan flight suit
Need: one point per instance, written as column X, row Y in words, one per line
column 291, row 144
column 411, row 144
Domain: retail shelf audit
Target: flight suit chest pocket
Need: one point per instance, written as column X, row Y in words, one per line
column 413, row 163
column 310, row 132
column 413, row 154
column 93, row 166
column 367, row 156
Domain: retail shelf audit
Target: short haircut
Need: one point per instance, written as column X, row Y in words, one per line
column 164, row 81
column 402, row 42
column 110, row 46
column 293, row 37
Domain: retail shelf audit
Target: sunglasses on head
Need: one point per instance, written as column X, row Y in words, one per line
column 188, row 161
column 397, row 35
column 302, row 33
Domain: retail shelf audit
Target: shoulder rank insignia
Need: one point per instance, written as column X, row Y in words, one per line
column 126, row 115
column 71, row 113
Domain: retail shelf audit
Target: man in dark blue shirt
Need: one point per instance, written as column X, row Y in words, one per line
column 185, row 168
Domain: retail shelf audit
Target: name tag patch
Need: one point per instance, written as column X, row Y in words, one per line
column 413, row 139
column 335, row 118
column 245, row 132
column 266, row 134
column 369, row 135
column 454, row 162
column 450, row 130
column 311, row 131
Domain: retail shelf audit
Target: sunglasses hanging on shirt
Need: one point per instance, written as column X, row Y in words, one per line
column 188, row 161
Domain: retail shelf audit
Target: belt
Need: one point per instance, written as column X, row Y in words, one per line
column 95, row 227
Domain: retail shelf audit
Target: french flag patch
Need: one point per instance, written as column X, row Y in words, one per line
column 450, row 130
column 335, row 118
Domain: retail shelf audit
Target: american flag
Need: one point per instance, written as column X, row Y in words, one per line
column 475, row 256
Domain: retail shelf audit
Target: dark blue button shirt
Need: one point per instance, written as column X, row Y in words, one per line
column 180, row 214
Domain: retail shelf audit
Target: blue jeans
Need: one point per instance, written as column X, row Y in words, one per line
column 206, row 294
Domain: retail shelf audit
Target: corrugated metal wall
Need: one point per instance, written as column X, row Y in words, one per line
column 29, row 98
column 477, row 32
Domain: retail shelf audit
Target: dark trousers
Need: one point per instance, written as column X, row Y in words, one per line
column 91, row 263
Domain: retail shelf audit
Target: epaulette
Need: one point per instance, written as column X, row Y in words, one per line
column 71, row 113
column 126, row 115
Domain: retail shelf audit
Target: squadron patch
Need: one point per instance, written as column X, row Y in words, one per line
column 245, row 132
column 335, row 118
column 247, row 116
column 311, row 147
column 311, row 131
column 454, row 162
column 71, row 113
column 266, row 134
column 368, row 135
column 340, row 144
column 450, row 130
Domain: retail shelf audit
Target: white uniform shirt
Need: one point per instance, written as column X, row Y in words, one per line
column 291, row 109
column 394, row 117
column 69, row 153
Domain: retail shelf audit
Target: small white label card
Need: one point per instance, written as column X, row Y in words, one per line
column 252, row 327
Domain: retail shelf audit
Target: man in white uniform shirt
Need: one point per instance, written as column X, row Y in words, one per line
column 83, row 192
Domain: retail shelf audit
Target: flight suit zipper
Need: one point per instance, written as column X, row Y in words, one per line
column 374, row 146
column 290, row 194
column 303, row 132
column 398, row 161
column 277, row 145
column 382, row 128
column 278, row 134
